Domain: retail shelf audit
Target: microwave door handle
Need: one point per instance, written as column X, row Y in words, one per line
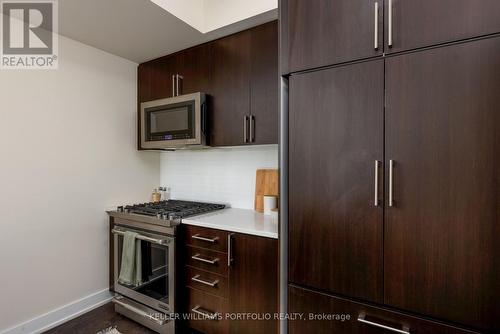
column 204, row 118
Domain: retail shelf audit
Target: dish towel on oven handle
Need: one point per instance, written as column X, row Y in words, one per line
column 131, row 265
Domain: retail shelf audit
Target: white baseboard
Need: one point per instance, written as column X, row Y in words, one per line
column 61, row 315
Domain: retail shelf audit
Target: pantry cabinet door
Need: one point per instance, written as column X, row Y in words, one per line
column 442, row 249
column 335, row 137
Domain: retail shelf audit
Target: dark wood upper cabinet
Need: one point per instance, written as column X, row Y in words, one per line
column 442, row 235
column 230, row 93
column 335, row 137
column 143, row 93
column 318, row 33
column 244, row 72
column 422, row 23
column 240, row 75
column 191, row 64
column 194, row 66
column 253, row 282
column 143, row 82
column 161, row 72
column 264, row 83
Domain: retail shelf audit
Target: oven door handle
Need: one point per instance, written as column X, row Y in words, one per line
column 143, row 237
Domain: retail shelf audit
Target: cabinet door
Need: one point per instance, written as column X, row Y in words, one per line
column 323, row 32
column 422, row 23
column 253, row 282
column 193, row 66
column 264, row 84
column 143, row 94
column 442, row 249
column 335, row 137
column 230, row 102
column 144, row 82
column 161, row 70
column 347, row 314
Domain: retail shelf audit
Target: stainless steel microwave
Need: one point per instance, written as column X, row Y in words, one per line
column 174, row 123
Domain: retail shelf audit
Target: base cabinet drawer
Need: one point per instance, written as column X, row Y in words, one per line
column 206, row 312
column 325, row 314
column 207, row 260
column 206, row 281
column 206, row 238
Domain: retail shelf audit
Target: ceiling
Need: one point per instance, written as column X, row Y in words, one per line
column 137, row 30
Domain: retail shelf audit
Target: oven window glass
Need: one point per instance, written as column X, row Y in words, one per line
column 153, row 270
column 170, row 122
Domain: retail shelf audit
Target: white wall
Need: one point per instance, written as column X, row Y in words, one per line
column 67, row 152
column 225, row 175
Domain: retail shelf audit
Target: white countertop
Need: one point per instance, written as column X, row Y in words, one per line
column 237, row 220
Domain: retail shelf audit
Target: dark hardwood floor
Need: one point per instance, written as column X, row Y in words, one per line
column 99, row 319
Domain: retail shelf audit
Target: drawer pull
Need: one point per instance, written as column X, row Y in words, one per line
column 361, row 318
column 198, row 237
column 198, row 258
column 197, row 279
column 197, row 309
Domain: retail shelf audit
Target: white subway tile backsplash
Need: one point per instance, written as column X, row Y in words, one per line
column 223, row 175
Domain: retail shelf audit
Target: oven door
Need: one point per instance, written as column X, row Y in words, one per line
column 173, row 122
column 158, row 269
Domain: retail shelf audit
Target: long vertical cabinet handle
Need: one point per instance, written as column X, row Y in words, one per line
column 252, row 128
column 389, row 37
column 177, row 78
column 229, row 249
column 376, row 27
column 391, row 183
column 245, row 126
column 173, row 85
column 375, row 195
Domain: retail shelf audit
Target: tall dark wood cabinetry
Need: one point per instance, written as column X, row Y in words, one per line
column 443, row 133
column 425, row 257
column 335, row 231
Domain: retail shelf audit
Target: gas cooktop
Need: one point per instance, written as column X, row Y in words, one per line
column 170, row 210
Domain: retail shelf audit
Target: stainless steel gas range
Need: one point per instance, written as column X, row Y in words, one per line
column 150, row 299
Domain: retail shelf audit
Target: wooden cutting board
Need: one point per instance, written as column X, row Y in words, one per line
column 266, row 184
